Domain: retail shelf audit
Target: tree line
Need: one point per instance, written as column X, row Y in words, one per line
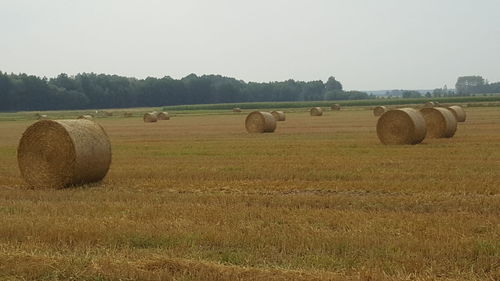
column 468, row 85
column 90, row 90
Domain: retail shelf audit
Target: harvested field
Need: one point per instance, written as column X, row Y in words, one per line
column 198, row 198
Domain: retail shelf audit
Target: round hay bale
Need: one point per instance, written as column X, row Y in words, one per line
column 335, row 106
column 62, row 153
column 429, row 104
column 88, row 117
column 108, row 114
column 440, row 122
column 127, row 114
column 163, row 116
column 260, row 122
column 279, row 115
column 458, row 112
column 401, row 126
column 236, row 109
column 379, row 110
column 316, row 111
column 150, row 117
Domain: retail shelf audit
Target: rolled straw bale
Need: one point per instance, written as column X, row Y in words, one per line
column 335, row 106
column 401, row 126
column 440, row 122
column 429, row 104
column 236, row 109
column 88, row 117
column 163, row 116
column 379, row 110
column 316, row 111
column 260, row 122
column 150, row 117
column 57, row 154
column 458, row 112
column 108, row 114
column 127, row 114
column 279, row 115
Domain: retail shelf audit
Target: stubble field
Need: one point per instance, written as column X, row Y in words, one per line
column 197, row 198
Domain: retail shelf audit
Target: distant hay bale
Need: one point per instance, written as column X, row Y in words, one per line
column 279, row 115
column 440, row 122
column 379, row 110
column 88, row 117
column 316, row 111
column 108, row 114
column 150, row 117
column 429, row 104
column 458, row 112
column 236, row 109
column 62, row 153
column 163, row 116
column 260, row 122
column 127, row 114
column 401, row 126
column 335, row 106
column 42, row 117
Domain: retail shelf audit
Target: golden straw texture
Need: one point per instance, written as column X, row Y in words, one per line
column 316, row 111
column 440, row 122
column 401, row 126
column 260, row 122
column 429, row 104
column 379, row 110
column 150, row 117
column 335, row 106
column 279, row 115
column 163, row 116
column 458, row 112
column 62, row 153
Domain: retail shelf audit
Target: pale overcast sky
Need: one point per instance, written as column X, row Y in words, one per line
column 366, row 44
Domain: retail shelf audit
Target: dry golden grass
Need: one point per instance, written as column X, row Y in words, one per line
column 320, row 199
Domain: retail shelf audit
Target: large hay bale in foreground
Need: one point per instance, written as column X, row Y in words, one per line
column 150, row 117
column 458, row 112
column 316, row 111
column 279, row 115
column 429, row 104
column 379, row 110
column 88, row 117
column 163, row 116
column 236, row 109
column 440, row 122
column 335, row 107
column 57, row 154
column 401, row 126
column 260, row 122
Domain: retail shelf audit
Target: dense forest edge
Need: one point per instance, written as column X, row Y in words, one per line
column 96, row 91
